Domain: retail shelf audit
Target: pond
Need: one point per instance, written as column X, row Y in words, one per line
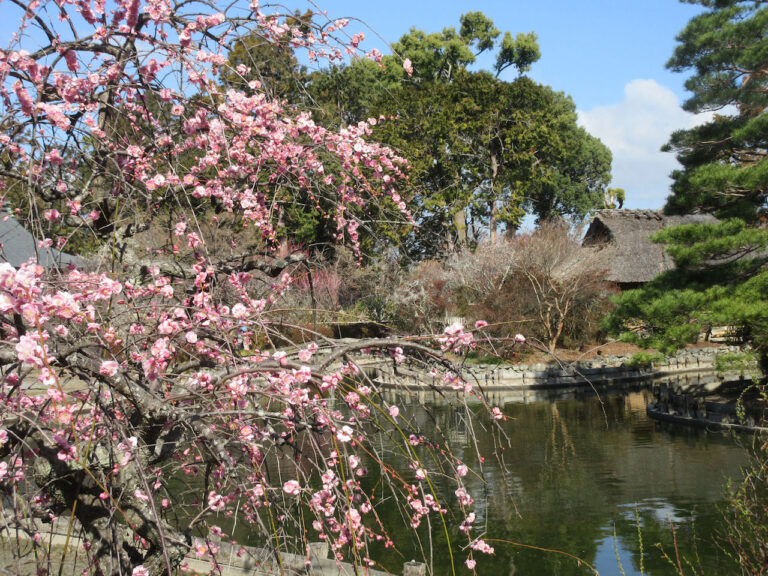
column 594, row 479
column 583, row 481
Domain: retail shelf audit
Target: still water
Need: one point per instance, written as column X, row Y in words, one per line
column 595, row 479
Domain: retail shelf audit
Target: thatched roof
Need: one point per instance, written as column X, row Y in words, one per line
column 17, row 246
column 631, row 257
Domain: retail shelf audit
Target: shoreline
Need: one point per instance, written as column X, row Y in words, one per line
column 605, row 371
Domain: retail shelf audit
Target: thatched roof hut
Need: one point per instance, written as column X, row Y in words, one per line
column 631, row 258
column 17, row 246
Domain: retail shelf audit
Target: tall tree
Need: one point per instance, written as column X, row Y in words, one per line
column 724, row 161
column 721, row 275
column 483, row 151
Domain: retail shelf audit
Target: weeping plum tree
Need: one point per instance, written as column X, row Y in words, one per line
column 143, row 397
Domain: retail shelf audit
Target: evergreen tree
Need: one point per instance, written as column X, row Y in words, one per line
column 721, row 276
column 483, row 151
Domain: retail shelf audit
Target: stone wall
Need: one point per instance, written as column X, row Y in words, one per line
column 232, row 560
column 608, row 370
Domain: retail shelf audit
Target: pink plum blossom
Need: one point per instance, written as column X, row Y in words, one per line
column 53, row 215
column 182, row 213
column 291, row 487
column 344, row 434
column 109, row 368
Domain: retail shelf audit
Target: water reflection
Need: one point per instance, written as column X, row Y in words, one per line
column 582, row 476
column 591, row 477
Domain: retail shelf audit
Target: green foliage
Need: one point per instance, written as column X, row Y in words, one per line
column 645, row 358
column 746, row 514
column 377, row 308
column 435, row 55
column 348, row 94
column 477, row 30
column 483, row 152
column 736, row 362
column 724, row 167
column 272, row 65
column 720, row 280
column 614, row 198
column 474, row 357
column 520, row 52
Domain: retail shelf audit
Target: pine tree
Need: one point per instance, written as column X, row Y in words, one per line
column 721, row 276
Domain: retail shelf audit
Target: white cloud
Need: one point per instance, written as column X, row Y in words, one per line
column 635, row 129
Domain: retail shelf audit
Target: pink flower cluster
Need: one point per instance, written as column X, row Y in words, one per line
column 163, row 357
column 455, row 338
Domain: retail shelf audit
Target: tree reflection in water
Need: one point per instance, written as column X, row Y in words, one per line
column 580, row 468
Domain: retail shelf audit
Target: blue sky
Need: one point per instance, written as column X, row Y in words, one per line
column 609, row 55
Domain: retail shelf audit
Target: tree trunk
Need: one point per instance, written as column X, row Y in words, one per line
column 460, row 226
column 112, row 537
column 492, row 220
column 492, row 224
column 553, row 344
column 283, row 246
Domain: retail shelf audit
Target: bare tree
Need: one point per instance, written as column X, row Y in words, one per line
column 542, row 280
column 564, row 277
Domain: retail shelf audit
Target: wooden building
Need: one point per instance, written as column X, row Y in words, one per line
column 624, row 238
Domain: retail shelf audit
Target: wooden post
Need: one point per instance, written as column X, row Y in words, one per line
column 414, row 568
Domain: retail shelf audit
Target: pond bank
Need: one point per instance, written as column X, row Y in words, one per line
column 231, row 559
column 732, row 409
column 604, row 371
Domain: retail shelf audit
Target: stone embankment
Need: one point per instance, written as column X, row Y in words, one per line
column 604, row 371
column 231, row 559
